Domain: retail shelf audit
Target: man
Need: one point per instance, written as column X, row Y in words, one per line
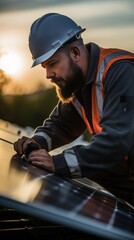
column 95, row 87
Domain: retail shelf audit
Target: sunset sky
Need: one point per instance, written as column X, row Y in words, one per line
column 108, row 23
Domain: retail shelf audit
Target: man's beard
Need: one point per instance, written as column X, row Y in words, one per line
column 73, row 83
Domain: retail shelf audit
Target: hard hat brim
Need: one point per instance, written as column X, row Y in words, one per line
column 44, row 57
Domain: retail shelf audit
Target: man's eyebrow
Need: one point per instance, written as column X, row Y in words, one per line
column 51, row 60
column 47, row 63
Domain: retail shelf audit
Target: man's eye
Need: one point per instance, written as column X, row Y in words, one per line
column 52, row 63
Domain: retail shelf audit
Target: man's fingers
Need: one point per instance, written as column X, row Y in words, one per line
column 41, row 158
column 19, row 145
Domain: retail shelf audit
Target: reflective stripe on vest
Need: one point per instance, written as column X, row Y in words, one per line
column 106, row 59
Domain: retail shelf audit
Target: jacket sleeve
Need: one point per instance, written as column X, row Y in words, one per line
column 63, row 126
column 117, row 137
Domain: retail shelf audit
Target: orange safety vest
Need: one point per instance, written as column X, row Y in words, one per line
column 106, row 59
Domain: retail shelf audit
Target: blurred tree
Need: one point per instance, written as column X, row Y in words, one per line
column 4, row 80
column 28, row 109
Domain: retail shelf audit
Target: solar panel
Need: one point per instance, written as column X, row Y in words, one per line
column 67, row 202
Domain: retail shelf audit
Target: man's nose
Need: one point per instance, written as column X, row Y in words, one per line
column 49, row 74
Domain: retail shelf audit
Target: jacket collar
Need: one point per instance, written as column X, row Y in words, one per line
column 94, row 52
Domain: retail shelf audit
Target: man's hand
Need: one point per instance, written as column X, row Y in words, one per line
column 41, row 158
column 21, row 145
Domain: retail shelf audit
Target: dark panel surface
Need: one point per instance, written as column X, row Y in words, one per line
column 68, row 203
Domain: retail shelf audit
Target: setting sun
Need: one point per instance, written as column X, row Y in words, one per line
column 11, row 63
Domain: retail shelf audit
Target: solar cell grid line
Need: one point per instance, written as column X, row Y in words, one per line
column 112, row 219
column 78, row 208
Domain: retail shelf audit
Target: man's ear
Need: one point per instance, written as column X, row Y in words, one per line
column 75, row 53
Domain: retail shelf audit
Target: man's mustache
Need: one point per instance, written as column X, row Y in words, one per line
column 57, row 81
